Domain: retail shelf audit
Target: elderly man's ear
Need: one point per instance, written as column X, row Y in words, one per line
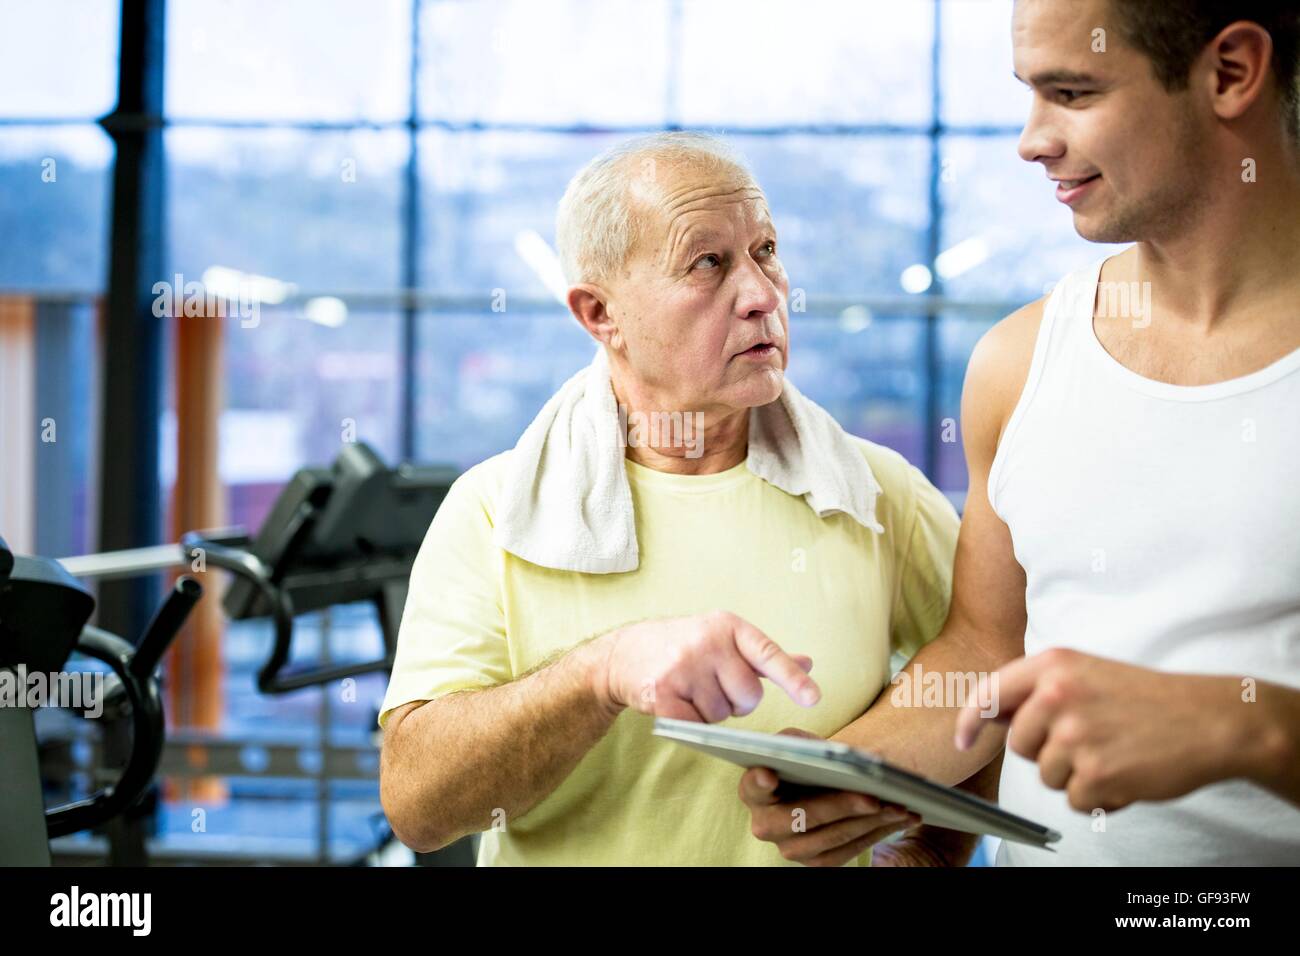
column 587, row 303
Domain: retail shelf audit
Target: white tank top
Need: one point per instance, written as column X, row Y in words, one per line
column 1158, row 525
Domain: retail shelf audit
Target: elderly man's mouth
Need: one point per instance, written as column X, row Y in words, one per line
column 759, row 351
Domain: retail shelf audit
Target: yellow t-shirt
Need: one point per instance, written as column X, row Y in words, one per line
column 847, row 597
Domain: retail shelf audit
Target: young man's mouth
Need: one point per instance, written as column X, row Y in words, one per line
column 1069, row 191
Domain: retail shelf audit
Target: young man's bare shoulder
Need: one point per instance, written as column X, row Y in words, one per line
column 1009, row 345
column 999, row 366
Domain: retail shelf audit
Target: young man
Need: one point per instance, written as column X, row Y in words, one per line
column 1134, row 451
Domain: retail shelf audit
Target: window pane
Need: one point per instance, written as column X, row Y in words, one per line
column 486, row 198
column 868, row 372
column 958, row 331
column 483, row 376
column 58, row 58
column 292, row 59
column 1010, row 238
column 295, row 391
column 54, row 191
column 977, row 70
column 319, row 210
column 766, row 62
column 851, row 212
column 67, row 397
column 518, row 61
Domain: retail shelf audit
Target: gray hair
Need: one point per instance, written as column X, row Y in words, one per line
column 598, row 220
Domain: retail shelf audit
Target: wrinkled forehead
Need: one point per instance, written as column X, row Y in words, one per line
column 681, row 199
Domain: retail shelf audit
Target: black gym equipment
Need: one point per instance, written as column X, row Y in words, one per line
column 338, row 535
column 43, row 615
column 335, row 535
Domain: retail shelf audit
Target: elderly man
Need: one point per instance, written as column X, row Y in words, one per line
column 677, row 524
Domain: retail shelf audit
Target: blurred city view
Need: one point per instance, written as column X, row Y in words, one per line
column 287, row 152
column 396, row 164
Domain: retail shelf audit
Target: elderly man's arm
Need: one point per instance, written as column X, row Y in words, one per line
column 466, row 761
column 455, row 765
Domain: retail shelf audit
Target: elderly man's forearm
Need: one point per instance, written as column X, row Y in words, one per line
column 470, row 761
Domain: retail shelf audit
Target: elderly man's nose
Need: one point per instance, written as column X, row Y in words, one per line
column 758, row 294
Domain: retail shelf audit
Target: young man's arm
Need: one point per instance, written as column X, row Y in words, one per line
column 984, row 630
column 1110, row 733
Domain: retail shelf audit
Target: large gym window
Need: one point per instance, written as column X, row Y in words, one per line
column 389, row 170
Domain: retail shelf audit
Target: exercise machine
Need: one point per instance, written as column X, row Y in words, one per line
column 336, row 535
column 339, row 535
column 43, row 621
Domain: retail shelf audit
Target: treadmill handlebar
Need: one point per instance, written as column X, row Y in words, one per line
column 146, row 744
column 274, row 678
column 164, row 627
column 135, row 687
column 228, row 549
column 134, row 562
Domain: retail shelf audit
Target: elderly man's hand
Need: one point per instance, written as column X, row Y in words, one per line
column 818, row 827
column 704, row 668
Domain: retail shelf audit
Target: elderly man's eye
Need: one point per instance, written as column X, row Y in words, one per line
column 769, row 247
column 709, row 261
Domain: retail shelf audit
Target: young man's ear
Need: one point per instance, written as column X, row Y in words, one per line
column 588, row 304
column 1241, row 63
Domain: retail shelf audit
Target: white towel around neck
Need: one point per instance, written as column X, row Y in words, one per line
column 568, row 504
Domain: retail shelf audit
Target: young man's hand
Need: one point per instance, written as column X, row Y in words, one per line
column 1110, row 733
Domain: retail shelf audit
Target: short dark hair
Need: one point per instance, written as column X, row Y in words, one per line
column 1172, row 34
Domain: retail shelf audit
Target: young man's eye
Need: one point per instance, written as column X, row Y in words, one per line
column 1069, row 96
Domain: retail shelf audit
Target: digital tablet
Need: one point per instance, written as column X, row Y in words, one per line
column 831, row 764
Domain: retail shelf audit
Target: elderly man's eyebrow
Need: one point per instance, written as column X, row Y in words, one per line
column 693, row 238
column 687, row 241
column 1059, row 77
